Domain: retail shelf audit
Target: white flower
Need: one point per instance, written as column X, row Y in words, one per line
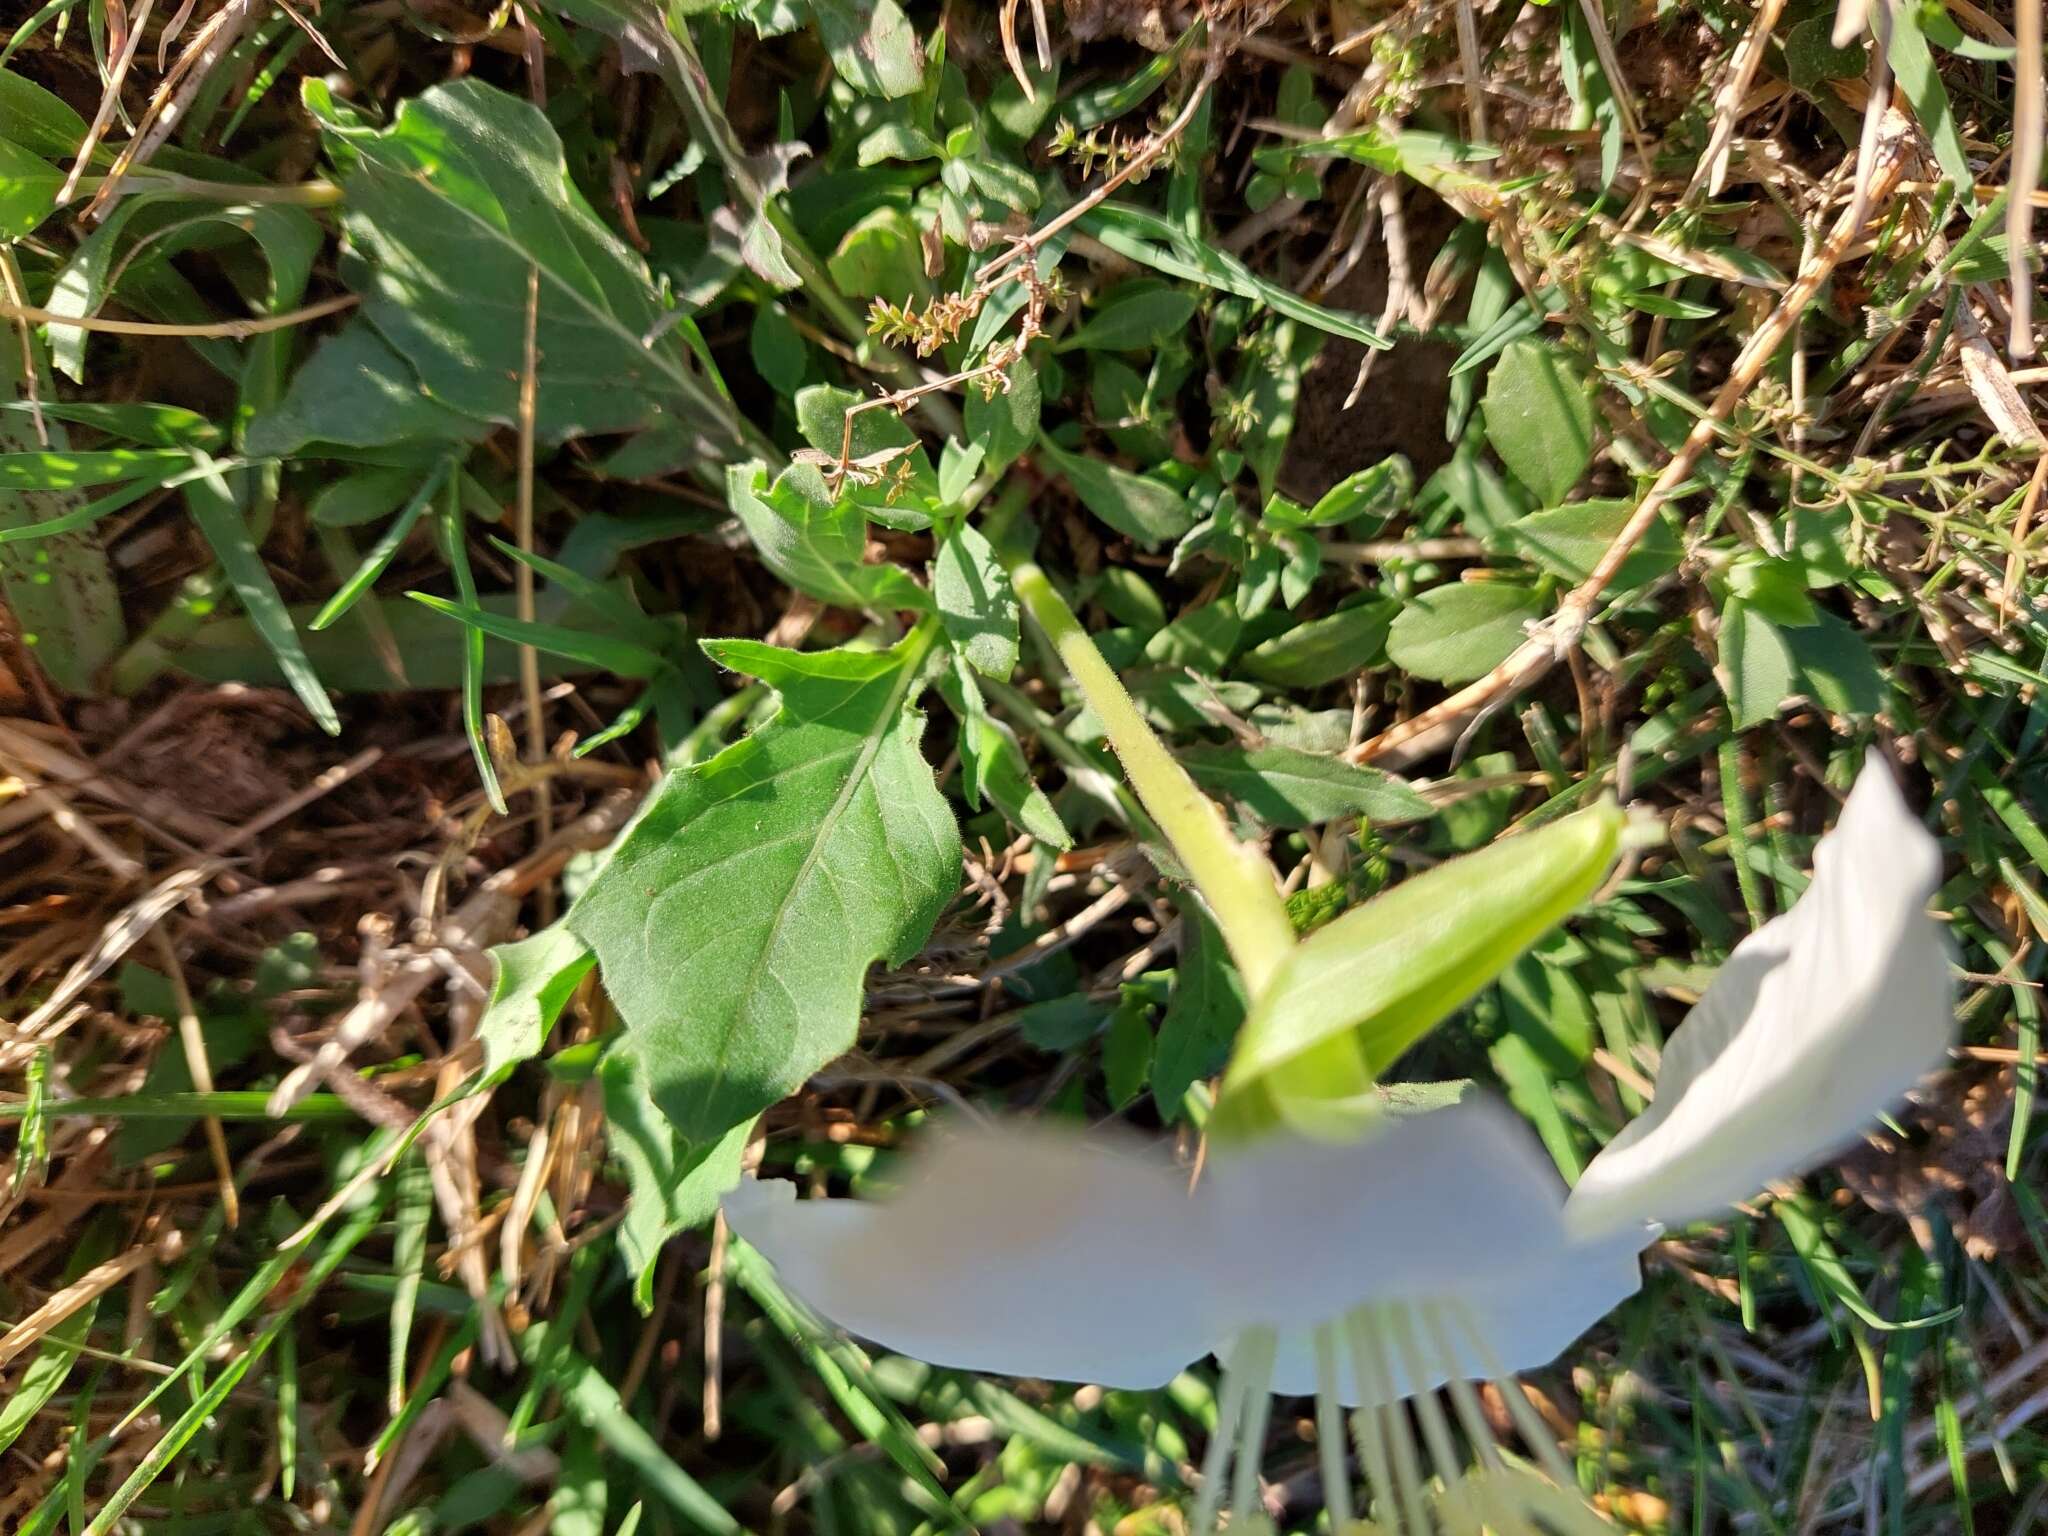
column 1441, row 1250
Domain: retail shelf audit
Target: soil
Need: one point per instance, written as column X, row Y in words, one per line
column 1403, row 405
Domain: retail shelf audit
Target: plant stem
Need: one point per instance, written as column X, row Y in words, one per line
column 1236, row 880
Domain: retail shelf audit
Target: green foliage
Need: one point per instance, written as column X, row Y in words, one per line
column 1456, row 633
column 1287, row 787
column 827, row 847
column 1357, row 993
column 737, row 222
column 59, row 587
column 1539, row 418
column 532, row 982
column 452, row 210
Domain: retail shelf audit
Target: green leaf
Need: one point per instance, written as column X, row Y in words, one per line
column 533, row 980
column 28, row 190
column 222, row 520
column 38, row 120
column 349, row 659
column 1804, row 1222
column 355, row 392
column 872, row 44
column 777, row 349
column 1286, row 787
column 819, row 549
column 1006, row 423
column 1455, row 633
column 1325, row 649
column 976, row 605
column 1811, row 58
column 384, row 550
column 1202, row 638
column 46, row 1370
column 1539, row 417
column 594, row 1402
column 60, row 590
column 1756, row 664
column 881, row 257
column 1568, row 541
column 1355, row 994
column 896, row 141
column 992, row 762
column 1127, row 1052
column 1378, row 491
column 600, row 651
column 673, row 1183
column 736, row 921
column 1138, row 314
column 451, row 209
column 45, row 469
column 165, row 224
column 1150, row 240
column 1920, row 78
column 993, row 177
column 139, row 421
column 365, row 495
column 1139, row 507
column 821, row 415
column 1269, row 383
column 1836, row 667
column 1202, row 1017
column 957, row 468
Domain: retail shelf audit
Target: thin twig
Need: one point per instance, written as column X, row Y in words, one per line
column 200, row 1066
column 522, row 576
column 2029, row 124
column 229, row 330
column 1536, row 655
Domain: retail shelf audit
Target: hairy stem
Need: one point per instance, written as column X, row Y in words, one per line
column 1236, row 880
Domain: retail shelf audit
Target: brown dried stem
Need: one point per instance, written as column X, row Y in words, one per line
column 1536, row 655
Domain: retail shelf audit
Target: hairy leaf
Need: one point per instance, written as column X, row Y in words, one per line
column 1325, row 649
column 1202, row 1016
column 355, row 392
column 1756, row 663
column 975, row 602
column 817, row 547
column 1137, row 506
column 533, row 980
column 674, row 1182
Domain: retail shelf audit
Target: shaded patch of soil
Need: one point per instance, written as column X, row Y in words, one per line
column 1403, row 405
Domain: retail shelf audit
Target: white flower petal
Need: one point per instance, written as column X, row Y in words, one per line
column 1527, row 1319
column 1516, row 1317
column 1434, row 1203
column 1817, row 1021
column 1020, row 1250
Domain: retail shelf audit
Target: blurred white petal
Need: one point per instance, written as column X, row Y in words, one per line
column 1510, row 1317
column 1436, row 1200
column 1818, row 1020
column 1019, row 1250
